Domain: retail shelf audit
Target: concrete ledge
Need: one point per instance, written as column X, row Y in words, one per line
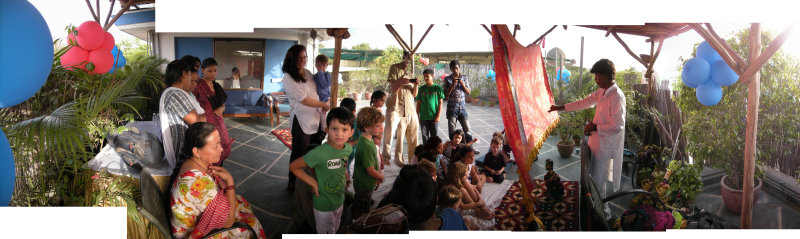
column 783, row 186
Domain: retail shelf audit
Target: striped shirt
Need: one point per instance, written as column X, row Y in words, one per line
column 457, row 96
column 177, row 105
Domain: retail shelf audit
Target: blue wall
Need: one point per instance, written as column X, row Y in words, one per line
column 275, row 52
column 136, row 17
column 201, row 47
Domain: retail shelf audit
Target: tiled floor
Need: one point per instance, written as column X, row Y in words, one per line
column 259, row 163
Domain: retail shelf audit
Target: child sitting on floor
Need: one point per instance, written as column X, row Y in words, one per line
column 449, row 201
column 466, row 155
column 494, row 163
column 457, row 177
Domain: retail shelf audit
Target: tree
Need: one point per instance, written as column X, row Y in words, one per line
column 716, row 133
column 375, row 77
column 134, row 49
column 362, row 46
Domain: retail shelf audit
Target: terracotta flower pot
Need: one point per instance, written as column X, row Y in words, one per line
column 565, row 150
column 356, row 96
column 368, row 95
column 733, row 198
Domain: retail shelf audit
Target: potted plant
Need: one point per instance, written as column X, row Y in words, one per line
column 675, row 182
column 475, row 93
column 568, row 126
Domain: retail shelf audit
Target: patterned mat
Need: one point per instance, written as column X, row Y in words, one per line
column 284, row 135
column 556, row 216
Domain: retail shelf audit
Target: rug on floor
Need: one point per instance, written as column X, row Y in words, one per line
column 284, row 135
column 555, row 215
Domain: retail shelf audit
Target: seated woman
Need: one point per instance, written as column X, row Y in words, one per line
column 202, row 197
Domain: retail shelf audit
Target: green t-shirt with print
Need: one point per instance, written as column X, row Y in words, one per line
column 366, row 156
column 329, row 165
column 429, row 97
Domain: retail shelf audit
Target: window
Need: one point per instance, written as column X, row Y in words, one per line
column 247, row 55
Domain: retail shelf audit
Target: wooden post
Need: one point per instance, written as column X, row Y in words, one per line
column 751, row 128
column 337, row 57
column 580, row 79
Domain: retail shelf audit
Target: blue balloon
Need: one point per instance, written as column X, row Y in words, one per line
column 697, row 70
column 8, row 172
column 685, row 82
column 709, row 93
column 705, row 51
column 722, row 74
column 27, row 51
column 122, row 60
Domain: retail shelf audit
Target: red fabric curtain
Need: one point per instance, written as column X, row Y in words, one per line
column 524, row 94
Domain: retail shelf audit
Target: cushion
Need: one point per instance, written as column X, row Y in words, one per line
column 284, row 108
column 234, row 97
column 238, row 109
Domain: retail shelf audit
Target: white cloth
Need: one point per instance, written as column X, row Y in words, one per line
column 235, row 83
column 166, row 132
column 328, row 222
column 297, row 91
column 607, row 143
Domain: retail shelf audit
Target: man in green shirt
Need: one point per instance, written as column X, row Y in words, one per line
column 366, row 171
column 429, row 105
column 329, row 161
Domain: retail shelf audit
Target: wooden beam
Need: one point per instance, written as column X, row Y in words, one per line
column 516, row 27
column 398, row 38
column 337, row 58
column 757, row 63
column 423, row 38
column 536, row 42
column 411, row 37
column 97, row 7
column 487, row 29
column 108, row 17
column 91, row 10
column 736, row 57
column 719, row 48
column 119, row 14
column 751, row 128
column 610, row 30
column 628, row 49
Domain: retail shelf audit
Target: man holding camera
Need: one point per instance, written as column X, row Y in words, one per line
column 401, row 112
column 456, row 87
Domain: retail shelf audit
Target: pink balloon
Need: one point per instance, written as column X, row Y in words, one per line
column 103, row 61
column 108, row 42
column 75, row 57
column 90, row 35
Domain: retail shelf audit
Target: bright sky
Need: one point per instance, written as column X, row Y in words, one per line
column 467, row 35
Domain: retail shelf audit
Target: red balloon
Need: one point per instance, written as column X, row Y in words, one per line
column 103, row 61
column 90, row 35
column 75, row 57
column 108, row 42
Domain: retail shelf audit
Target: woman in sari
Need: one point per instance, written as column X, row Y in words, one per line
column 203, row 196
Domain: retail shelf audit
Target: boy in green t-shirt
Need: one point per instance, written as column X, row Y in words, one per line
column 367, row 175
column 329, row 162
column 429, row 105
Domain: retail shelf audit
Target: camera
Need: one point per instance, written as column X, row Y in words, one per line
column 412, row 80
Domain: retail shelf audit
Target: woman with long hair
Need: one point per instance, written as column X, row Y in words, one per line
column 212, row 98
column 306, row 109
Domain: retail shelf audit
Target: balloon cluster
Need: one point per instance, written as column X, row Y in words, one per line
column 491, row 74
column 424, row 61
column 92, row 50
column 25, row 62
column 707, row 73
column 563, row 74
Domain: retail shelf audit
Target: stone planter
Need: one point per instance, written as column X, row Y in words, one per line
column 565, row 150
column 733, row 198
